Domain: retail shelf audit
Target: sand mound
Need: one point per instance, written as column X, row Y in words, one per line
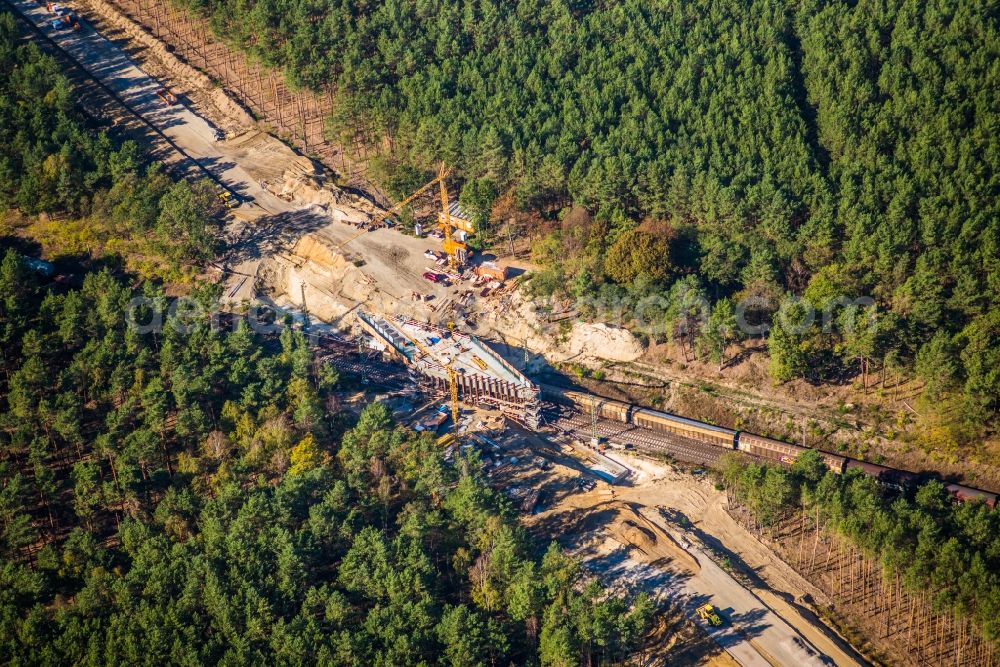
column 295, row 178
column 651, row 542
column 603, row 342
column 267, row 159
column 341, row 206
column 229, row 107
column 519, row 320
column 640, row 537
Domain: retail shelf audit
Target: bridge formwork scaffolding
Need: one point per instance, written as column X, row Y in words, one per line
column 482, row 376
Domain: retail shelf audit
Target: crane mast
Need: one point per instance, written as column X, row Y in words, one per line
column 455, row 250
column 452, row 378
column 453, row 390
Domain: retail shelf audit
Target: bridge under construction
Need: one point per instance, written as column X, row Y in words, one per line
column 458, row 363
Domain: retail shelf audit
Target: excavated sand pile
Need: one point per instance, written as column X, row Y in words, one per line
column 267, row 159
column 316, row 271
column 520, row 321
column 654, row 544
column 225, row 106
column 341, row 206
column 313, row 249
column 604, row 342
column 295, row 178
column 609, row 523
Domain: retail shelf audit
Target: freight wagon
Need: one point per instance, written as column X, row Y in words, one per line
column 751, row 443
column 689, row 428
column 965, row 493
column 891, row 477
column 606, row 407
column 785, row 452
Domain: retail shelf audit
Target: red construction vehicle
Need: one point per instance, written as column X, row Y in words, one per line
column 168, row 97
column 65, row 21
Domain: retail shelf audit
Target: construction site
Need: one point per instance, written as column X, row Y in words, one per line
column 423, row 322
column 463, row 364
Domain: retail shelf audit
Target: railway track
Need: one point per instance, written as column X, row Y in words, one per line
column 577, row 424
column 378, row 374
column 682, row 449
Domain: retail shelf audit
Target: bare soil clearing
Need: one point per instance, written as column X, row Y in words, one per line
column 630, row 535
column 197, row 89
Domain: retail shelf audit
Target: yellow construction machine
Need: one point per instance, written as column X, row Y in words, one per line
column 457, row 251
column 707, row 613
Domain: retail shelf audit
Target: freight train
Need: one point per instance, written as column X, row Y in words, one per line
column 757, row 445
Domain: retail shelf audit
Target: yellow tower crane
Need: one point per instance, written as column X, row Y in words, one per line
column 453, row 389
column 396, row 208
column 455, row 250
column 452, row 378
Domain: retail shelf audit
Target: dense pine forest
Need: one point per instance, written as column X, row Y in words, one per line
column 189, row 496
column 196, row 492
column 754, row 149
column 106, row 196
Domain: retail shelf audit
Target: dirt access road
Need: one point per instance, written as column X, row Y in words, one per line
column 756, row 634
column 753, row 634
column 670, row 497
column 768, row 622
column 191, row 134
column 265, row 224
column 395, row 261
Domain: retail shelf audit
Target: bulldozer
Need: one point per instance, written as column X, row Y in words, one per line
column 228, row 198
column 707, row 613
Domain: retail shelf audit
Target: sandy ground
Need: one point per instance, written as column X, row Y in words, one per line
column 667, row 491
column 622, row 534
column 254, row 168
column 193, row 134
column 340, row 267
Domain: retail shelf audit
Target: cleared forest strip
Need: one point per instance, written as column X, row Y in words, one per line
column 903, row 628
column 295, row 116
column 105, row 107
